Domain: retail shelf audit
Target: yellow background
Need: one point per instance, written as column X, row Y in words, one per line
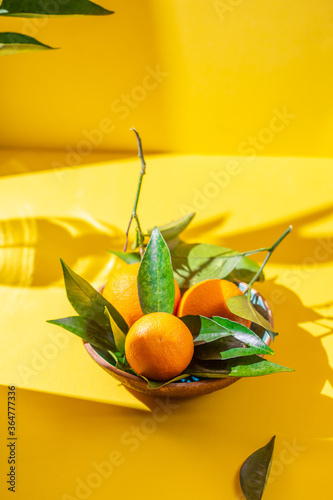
column 230, row 71
column 226, row 70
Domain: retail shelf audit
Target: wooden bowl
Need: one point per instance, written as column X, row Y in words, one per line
column 181, row 390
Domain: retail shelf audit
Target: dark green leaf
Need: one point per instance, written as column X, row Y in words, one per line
column 227, row 348
column 37, row 8
column 193, row 323
column 255, row 471
column 248, row 366
column 197, row 262
column 262, row 332
column 13, row 43
column 114, row 358
column 241, row 306
column 108, row 356
column 88, row 330
column 174, row 228
column 123, row 365
column 128, row 257
column 88, row 302
column 156, row 285
column 118, row 335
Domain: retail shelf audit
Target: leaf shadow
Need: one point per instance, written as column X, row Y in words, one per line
column 30, row 248
column 295, row 405
column 206, row 227
column 303, row 407
column 307, row 247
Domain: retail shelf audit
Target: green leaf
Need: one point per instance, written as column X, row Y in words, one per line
column 87, row 329
column 154, row 384
column 245, row 271
column 248, row 366
column 37, row 8
column 156, row 285
column 128, row 257
column 227, row 348
column 88, row 302
column 241, row 306
column 197, row 262
column 118, row 335
column 255, row 471
column 174, row 228
column 243, row 334
column 14, row 43
column 206, row 330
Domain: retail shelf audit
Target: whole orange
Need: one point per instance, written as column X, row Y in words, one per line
column 209, row 298
column 121, row 291
column 159, row 346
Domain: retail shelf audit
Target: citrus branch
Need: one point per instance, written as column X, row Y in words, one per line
column 134, row 211
column 270, row 251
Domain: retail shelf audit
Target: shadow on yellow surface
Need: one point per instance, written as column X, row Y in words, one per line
column 30, row 248
column 298, row 249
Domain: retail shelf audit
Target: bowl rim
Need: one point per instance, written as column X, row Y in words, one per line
column 213, row 381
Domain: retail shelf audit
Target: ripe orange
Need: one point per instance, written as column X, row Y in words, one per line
column 209, row 298
column 159, row 346
column 121, row 291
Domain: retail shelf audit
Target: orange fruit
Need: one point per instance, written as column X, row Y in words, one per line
column 121, row 291
column 209, row 298
column 159, row 346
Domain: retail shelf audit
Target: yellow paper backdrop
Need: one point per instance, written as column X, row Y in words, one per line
column 192, row 75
